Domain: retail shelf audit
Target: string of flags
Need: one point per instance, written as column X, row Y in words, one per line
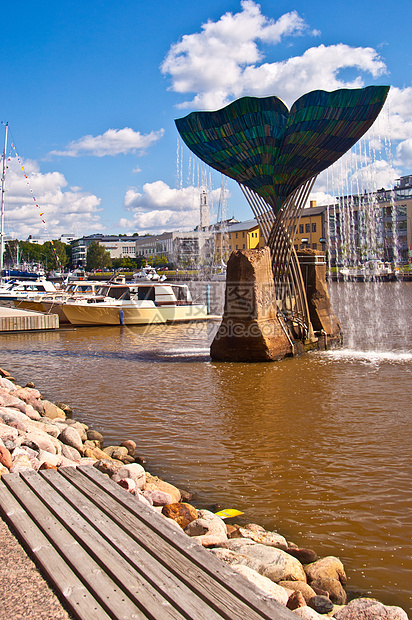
column 41, row 213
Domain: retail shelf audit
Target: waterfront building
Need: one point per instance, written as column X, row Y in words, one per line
column 118, row 247
column 359, row 227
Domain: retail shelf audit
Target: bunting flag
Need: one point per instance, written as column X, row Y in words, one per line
column 41, row 213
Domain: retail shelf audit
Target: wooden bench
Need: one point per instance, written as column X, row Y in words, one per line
column 110, row 556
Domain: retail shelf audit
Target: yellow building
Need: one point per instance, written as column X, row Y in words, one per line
column 311, row 231
column 237, row 236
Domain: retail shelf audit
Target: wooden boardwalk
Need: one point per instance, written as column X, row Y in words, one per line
column 110, row 556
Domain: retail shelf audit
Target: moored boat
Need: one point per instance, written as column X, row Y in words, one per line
column 141, row 303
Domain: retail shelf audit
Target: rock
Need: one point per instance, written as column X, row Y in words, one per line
column 80, row 428
column 333, row 587
column 130, row 446
column 208, row 529
column 250, row 330
column 4, row 373
column 254, row 527
column 30, row 384
column 232, row 531
column 299, row 586
column 278, row 565
column 91, row 445
column 153, row 482
column 107, row 466
column 296, row 600
column 71, row 437
column 308, row 613
column 142, row 461
column 66, row 408
column 5, row 457
column 52, row 411
column 42, row 440
column 128, row 484
column 180, row 512
column 7, row 432
column 263, row 583
column 45, row 425
column 3, row 470
column 321, row 604
column 232, row 558
column 119, row 453
column 159, row 498
column 51, row 459
column 133, row 471
column 145, row 501
column 6, row 383
column 95, row 436
column 330, row 567
column 71, row 453
column 127, row 460
column 46, row 465
column 21, row 463
column 305, row 556
column 369, row 609
column 95, row 453
column 271, row 539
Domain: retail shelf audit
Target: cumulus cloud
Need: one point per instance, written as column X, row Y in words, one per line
column 159, row 207
column 224, row 62
column 61, row 207
column 112, row 142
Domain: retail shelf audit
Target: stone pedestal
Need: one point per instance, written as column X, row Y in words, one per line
column 322, row 317
column 250, row 330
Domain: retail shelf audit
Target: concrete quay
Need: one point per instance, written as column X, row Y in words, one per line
column 14, row 320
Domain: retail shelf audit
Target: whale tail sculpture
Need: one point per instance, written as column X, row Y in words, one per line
column 275, row 155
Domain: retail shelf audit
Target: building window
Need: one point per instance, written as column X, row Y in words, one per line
column 301, row 229
column 314, row 246
column 243, row 234
column 237, row 247
column 307, row 228
column 230, row 248
column 243, row 246
column 237, row 235
column 302, row 246
column 314, row 227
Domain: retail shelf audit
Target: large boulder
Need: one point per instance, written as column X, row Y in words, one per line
column 329, row 566
column 271, row 539
column 53, row 411
column 278, row 565
column 369, row 609
column 71, row 437
column 180, row 512
column 299, row 586
column 333, row 587
column 208, row 529
column 154, row 483
column 250, row 330
column 263, row 583
column 133, row 471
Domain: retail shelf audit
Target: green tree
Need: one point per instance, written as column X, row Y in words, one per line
column 97, row 257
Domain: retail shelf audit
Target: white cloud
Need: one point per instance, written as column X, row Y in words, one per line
column 112, row 142
column 64, row 210
column 159, row 207
column 404, row 153
column 224, row 62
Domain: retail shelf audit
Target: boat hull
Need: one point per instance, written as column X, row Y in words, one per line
column 128, row 314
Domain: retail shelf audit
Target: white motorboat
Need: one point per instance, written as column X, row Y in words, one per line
column 139, row 303
column 148, row 273
column 52, row 303
column 369, row 270
column 16, row 290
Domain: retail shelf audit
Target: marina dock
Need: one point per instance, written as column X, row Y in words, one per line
column 14, row 320
column 110, row 556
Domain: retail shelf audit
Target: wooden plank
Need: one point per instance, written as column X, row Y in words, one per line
column 104, row 590
column 76, row 596
column 110, row 546
column 225, row 591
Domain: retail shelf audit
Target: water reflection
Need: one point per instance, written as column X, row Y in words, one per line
column 318, row 447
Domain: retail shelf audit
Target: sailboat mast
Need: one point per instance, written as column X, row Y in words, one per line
column 3, row 180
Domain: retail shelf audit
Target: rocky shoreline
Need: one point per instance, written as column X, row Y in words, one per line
column 38, row 434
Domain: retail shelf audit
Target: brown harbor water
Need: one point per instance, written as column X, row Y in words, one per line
column 317, row 447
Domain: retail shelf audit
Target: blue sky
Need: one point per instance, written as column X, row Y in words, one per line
column 91, row 90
